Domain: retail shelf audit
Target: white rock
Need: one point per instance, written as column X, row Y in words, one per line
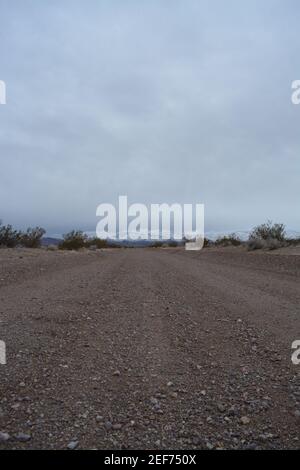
column 72, row 445
column 4, row 437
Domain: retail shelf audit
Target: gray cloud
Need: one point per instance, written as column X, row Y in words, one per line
column 182, row 101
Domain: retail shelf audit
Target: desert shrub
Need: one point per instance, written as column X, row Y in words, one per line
column 207, row 242
column 258, row 244
column 267, row 236
column 9, row 237
column 32, row 237
column 228, row 240
column 157, row 244
column 269, row 231
column 274, row 244
column 255, row 244
column 73, row 240
column 173, row 244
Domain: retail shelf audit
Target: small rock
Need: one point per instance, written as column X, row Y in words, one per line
column 117, row 427
column 117, row 373
column 245, row 420
column 4, row 437
column 72, row 445
column 154, row 401
column 108, row 425
column 21, row 437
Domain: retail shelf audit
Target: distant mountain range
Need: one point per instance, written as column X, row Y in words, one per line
column 46, row 241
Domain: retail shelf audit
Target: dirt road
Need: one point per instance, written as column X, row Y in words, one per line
column 155, row 349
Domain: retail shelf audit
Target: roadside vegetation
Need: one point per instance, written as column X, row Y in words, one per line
column 267, row 236
column 74, row 240
column 10, row 238
column 229, row 240
column 32, row 237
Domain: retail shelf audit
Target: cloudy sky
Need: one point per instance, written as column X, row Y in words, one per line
column 163, row 100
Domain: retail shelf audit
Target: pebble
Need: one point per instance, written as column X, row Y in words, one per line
column 154, row 401
column 21, row 437
column 117, row 427
column 4, row 437
column 108, row 425
column 117, row 373
column 72, row 445
column 245, row 420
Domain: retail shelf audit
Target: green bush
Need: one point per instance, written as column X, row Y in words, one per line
column 228, row 240
column 207, row 242
column 269, row 231
column 157, row 244
column 32, row 237
column 173, row 244
column 9, row 237
column 73, row 240
column 267, row 236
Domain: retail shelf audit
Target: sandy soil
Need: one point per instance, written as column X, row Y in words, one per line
column 149, row 349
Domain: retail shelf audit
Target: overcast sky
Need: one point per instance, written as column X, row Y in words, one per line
column 163, row 100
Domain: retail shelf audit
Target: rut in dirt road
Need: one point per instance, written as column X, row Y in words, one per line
column 145, row 348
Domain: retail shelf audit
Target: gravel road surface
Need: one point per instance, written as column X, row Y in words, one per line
column 149, row 349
